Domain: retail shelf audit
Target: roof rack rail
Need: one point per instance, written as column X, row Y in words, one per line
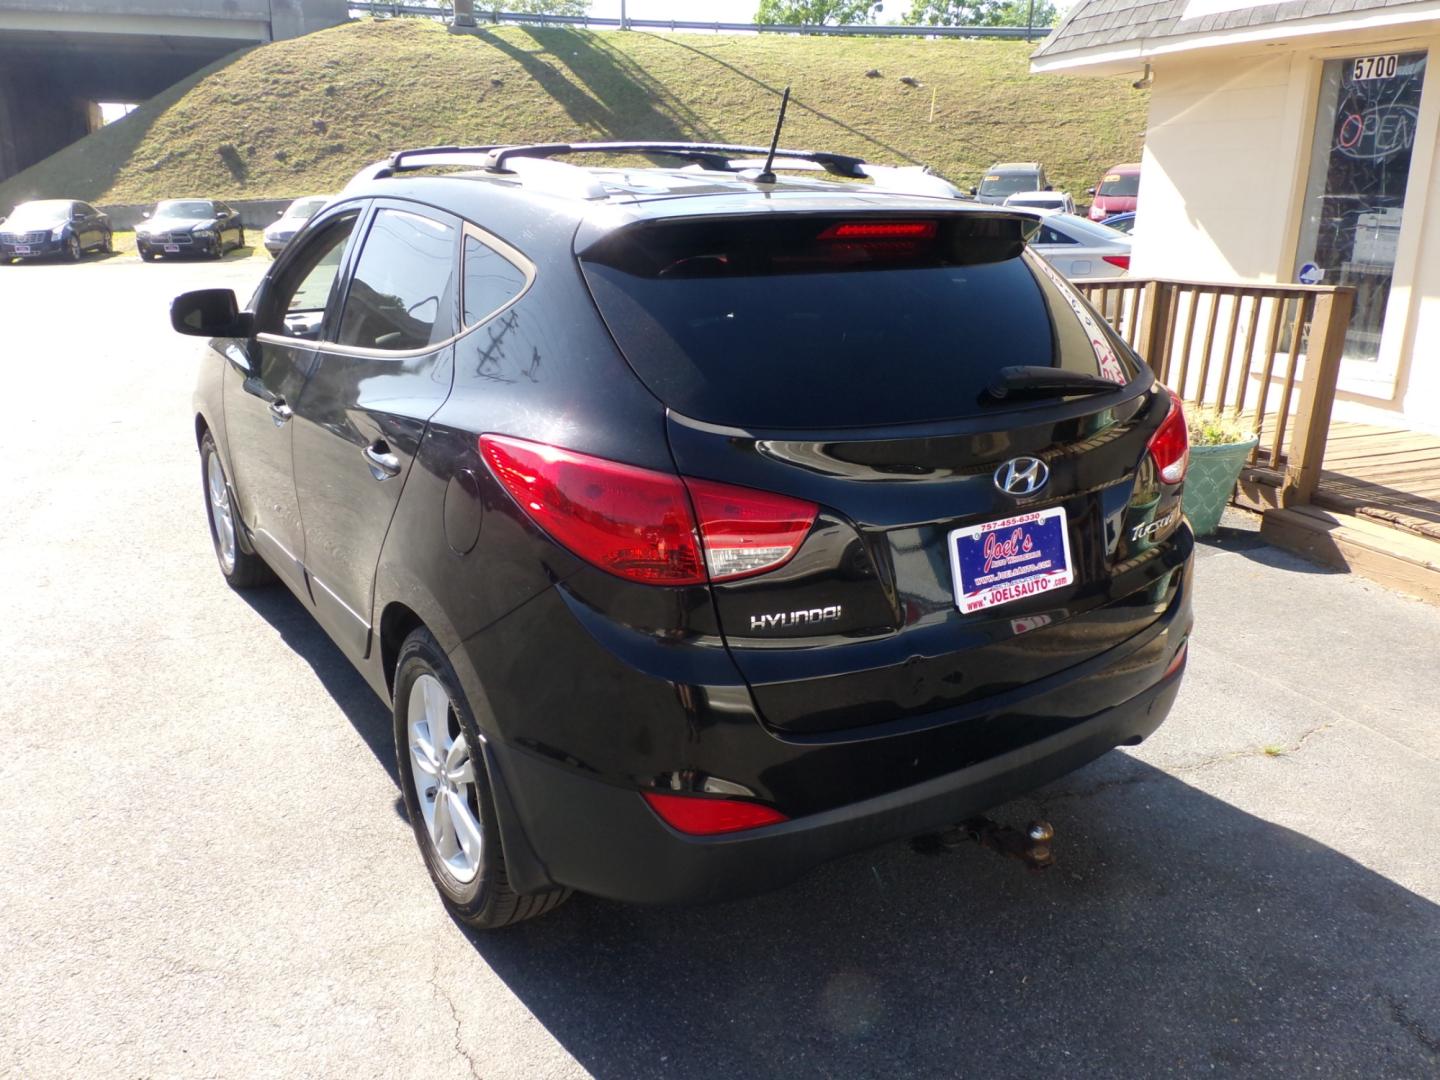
column 716, row 156
column 712, row 155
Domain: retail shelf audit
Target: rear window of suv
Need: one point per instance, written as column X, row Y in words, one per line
column 823, row 323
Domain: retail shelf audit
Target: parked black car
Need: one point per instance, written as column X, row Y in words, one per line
column 698, row 527
column 204, row 227
column 63, row 227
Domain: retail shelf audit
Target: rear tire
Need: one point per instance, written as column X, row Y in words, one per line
column 242, row 569
column 73, row 251
column 453, row 789
column 108, row 247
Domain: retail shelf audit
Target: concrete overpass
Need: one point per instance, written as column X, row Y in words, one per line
column 59, row 57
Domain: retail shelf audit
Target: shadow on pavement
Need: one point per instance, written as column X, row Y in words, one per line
column 1249, row 544
column 299, row 630
column 1177, row 934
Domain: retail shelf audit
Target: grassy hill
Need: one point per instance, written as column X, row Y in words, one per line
column 302, row 115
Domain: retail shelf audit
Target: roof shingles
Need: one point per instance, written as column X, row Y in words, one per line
column 1108, row 22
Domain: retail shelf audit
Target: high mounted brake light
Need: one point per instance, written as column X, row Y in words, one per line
column 639, row 524
column 881, row 230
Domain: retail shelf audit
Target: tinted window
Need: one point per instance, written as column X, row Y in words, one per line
column 1047, row 235
column 303, row 291
column 770, row 324
column 1009, row 183
column 399, row 296
column 491, row 281
column 185, row 208
column 35, row 215
column 304, row 209
column 1121, row 185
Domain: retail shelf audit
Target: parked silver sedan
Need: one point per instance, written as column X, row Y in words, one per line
column 1082, row 249
column 291, row 219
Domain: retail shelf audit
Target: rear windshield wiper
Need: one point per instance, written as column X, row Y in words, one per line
column 1028, row 379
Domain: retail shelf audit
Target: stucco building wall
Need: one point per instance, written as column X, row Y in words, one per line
column 1225, row 166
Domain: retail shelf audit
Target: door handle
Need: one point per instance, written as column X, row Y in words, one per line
column 383, row 464
column 280, row 412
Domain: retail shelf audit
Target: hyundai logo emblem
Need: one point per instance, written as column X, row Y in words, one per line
column 1022, row 476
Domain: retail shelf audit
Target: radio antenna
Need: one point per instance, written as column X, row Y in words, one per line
column 767, row 174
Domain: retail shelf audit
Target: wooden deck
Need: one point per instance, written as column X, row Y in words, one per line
column 1375, row 510
column 1388, row 475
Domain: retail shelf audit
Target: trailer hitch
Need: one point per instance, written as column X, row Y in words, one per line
column 1032, row 847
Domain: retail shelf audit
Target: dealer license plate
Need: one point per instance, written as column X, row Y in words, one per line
column 172, row 247
column 22, row 249
column 1010, row 559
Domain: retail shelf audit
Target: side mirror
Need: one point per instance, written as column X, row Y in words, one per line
column 210, row 313
column 145, row 213
column 279, row 213
column 1090, row 191
column 974, row 191
column 1049, row 187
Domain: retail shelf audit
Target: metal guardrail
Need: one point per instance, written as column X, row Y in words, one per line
column 1023, row 33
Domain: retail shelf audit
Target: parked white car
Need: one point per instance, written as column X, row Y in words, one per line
column 1060, row 201
column 1082, row 249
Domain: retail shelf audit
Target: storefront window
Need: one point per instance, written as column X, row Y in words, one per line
column 1355, row 198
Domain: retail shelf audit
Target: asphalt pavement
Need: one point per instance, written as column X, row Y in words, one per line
column 205, row 868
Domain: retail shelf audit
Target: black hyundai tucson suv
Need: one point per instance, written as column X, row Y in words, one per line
column 699, row 525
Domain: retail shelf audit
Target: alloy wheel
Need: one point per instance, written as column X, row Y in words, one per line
column 222, row 517
column 443, row 772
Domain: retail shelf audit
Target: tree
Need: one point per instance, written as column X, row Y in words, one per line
column 815, row 12
column 979, row 13
column 575, row 8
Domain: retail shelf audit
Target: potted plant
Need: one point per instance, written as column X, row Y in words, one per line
column 1218, row 449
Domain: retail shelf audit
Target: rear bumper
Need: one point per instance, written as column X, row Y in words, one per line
column 603, row 839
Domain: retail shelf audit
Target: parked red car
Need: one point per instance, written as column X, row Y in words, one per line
column 1116, row 192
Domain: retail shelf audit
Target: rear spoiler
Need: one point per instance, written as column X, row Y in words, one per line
column 648, row 245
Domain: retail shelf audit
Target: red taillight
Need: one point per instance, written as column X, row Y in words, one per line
column 1122, row 261
column 700, row 816
column 745, row 531
column 880, row 230
column 638, row 524
column 1170, row 445
column 633, row 522
column 1177, row 660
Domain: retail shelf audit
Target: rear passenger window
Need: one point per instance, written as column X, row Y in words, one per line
column 400, row 296
column 1047, row 235
column 491, row 281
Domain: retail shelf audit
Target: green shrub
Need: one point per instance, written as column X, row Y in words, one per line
column 1210, row 428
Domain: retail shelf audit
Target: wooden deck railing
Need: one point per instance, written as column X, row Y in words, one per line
column 1276, row 369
